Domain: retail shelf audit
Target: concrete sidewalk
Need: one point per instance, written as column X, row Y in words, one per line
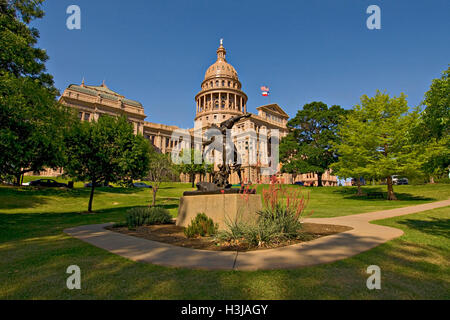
column 362, row 237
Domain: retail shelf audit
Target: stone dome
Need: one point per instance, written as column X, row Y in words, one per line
column 221, row 68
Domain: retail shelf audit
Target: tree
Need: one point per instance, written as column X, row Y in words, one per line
column 436, row 116
column 32, row 123
column 18, row 54
column 307, row 147
column 193, row 168
column 161, row 169
column 353, row 148
column 32, row 127
column 434, row 129
column 106, row 150
column 377, row 138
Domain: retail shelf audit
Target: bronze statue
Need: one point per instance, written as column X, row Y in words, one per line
column 229, row 151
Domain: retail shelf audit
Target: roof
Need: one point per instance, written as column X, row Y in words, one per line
column 274, row 108
column 104, row 92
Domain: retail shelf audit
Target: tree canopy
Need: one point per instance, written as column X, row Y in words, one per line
column 434, row 128
column 307, row 147
column 376, row 140
column 193, row 168
column 105, row 151
column 32, row 123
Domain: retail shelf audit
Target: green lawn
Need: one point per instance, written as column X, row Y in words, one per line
column 34, row 252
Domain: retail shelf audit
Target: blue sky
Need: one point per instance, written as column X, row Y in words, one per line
column 157, row 52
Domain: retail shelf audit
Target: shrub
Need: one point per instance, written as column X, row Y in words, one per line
column 147, row 216
column 201, row 226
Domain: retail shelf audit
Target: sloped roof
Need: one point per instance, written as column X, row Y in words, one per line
column 274, row 108
column 104, row 92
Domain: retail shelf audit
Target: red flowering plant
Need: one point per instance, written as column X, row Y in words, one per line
column 278, row 221
column 283, row 208
column 280, row 199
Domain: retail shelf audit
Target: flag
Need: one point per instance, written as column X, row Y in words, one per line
column 265, row 91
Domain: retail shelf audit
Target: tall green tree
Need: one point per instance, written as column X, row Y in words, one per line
column 434, row 128
column 307, row 147
column 32, row 123
column 377, row 139
column 18, row 53
column 354, row 149
column 106, row 150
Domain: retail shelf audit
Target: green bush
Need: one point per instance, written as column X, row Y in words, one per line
column 141, row 216
column 444, row 180
column 201, row 226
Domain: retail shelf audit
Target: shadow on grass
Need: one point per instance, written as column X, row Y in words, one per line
column 32, row 197
column 350, row 193
column 25, row 225
column 434, row 226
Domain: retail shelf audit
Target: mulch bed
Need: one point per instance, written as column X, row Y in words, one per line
column 174, row 235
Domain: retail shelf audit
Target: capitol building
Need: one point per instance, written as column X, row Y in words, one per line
column 220, row 97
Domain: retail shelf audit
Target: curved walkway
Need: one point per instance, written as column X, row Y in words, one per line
column 362, row 237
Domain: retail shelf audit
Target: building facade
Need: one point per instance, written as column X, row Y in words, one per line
column 220, row 98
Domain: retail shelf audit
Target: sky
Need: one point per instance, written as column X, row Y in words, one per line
column 157, row 52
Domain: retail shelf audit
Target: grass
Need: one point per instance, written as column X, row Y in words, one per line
column 35, row 253
column 338, row 201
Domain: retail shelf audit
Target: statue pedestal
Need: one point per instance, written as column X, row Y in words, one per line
column 219, row 207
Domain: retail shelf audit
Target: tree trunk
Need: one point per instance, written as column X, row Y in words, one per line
column 391, row 194
column 91, row 198
column 358, row 183
column 18, row 176
column 193, row 179
column 431, row 179
column 319, row 180
column 155, row 190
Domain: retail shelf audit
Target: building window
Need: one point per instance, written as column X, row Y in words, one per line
column 80, row 115
column 87, row 116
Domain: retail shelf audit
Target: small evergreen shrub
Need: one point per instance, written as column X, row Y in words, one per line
column 136, row 217
column 201, row 226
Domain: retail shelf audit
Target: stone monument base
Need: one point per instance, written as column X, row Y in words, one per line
column 219, row 207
